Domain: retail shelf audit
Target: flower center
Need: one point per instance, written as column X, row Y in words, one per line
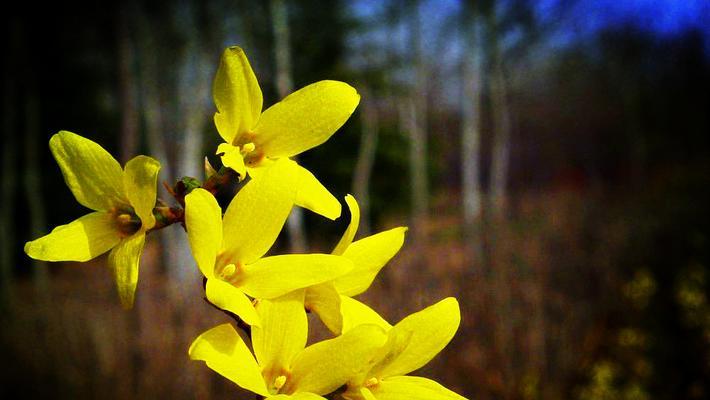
column 228, row 272
column 371, row 382
column 279, row 382
column 126, row 220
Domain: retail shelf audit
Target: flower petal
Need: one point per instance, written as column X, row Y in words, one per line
column 140, row 182
column 81, row 240
column 232, row 158
column 236, row 94
column 419, row 337
column 412, row 388
column 257, row 213
column 324, row 300
column 313, row 195
column 124, row 260
column 275, row 276
column 369, row 255
column 91, row 173
column 203, row 220
column 224, row 352
column 325, row 366
column 351, row 230
column 356, row 313
column 228, row 297
column 282, row 334
column 296, row 396
column 367, row 394
column 305, row 118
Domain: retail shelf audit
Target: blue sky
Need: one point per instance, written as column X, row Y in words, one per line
column 661, row 16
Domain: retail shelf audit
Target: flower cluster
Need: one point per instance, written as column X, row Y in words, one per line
column 268, row 296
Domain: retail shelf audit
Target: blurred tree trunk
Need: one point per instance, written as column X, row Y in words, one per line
column 9, row 175
column 414, row 114
column 501, row 129
column 471, row 139
column 366, row 158
column 500, row 263
column 33, row 183
column 127, row 87
column 284, row 85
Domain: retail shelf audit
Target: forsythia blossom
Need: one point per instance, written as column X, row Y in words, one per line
column 284, row 367
column 368, row 358
column 411, row 344
column 229, row 251
column 304, row 119
column 122, row 200
column 368, row 255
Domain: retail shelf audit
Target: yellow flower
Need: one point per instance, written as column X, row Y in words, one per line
column 368, row 255
column 302, row 120
column 411, row 344
column 122, row 200
column 284, row 368
column 229, row 251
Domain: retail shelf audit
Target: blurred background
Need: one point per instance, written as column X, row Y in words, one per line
column 551, row 159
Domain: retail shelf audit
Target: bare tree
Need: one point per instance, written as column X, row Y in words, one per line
column 366, row 157
column 471, row 134
column 413, row 113
column 126, row 85
column 9, row 174
column 502, row 127
column 32, row 181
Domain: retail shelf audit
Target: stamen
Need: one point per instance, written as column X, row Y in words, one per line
column 124, row 219
column 279, row 382
column 371, row 382
column 127, row 223
column 248, row 148
column 228, row 271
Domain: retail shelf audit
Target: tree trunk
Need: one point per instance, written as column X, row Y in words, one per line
column 415, row 122
column 501, row 132
column 284, row 84
column 127, row 87
column 366, row 158
column 500, row 263
column 33, row 184
column 9, row 178
column 470, row 145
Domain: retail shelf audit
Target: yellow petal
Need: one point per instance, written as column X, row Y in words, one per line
column 369, row 255
column 367, row 394
column 305, row 118
column 257, row 213
column 296, row 396
column 421, row 336
column 313, row 195
column 91, row 173
column 412, row 388
column 275, row 276
column 324, row 300
column 349, row 233
column 232, row 158
column 140, row 181
column 124, row 260
column 224, row 352
column 81, row 240
column 203, row 220
column 356, row 313
column 227, row 297
column 327, row 365
column 236, row 94
column 282, row 334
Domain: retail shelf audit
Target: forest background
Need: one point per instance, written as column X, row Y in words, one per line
column 551, row 159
